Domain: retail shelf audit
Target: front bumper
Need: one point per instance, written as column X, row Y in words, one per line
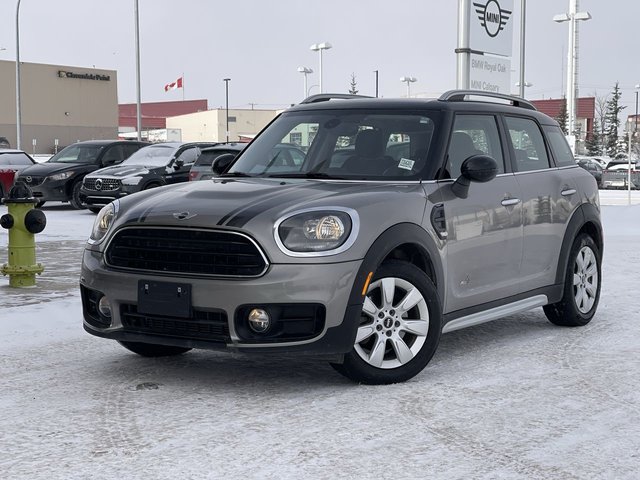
column 326, row 285
column 103, row 197
column 50, row 190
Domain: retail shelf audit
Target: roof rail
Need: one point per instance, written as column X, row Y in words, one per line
column 323, row 97
column 460, row 96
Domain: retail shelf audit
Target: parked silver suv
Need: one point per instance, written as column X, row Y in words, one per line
column 406, row 219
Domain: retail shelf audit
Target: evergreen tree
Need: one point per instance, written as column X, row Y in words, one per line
column 612, row 118
column 353, row 90
column 563, row 116
column 594, row 141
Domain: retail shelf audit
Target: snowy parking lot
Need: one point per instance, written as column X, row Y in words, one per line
column 517, row 398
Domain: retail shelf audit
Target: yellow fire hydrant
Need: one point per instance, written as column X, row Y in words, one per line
column 22, row 221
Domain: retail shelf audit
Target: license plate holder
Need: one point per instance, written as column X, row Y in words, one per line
column 167, row 299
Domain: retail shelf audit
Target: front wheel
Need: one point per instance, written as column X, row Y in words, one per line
column 152, row 350
column 581, row 286
column 399, row 329
column 76, row 201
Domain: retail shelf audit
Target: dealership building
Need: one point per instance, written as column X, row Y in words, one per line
column 60, row 105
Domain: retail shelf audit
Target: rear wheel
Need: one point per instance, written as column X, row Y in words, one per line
column 581, row 286
column 152, row 350
column 399, row 327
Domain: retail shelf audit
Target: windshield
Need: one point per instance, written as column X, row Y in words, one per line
column 151, row 156
column 77, row 154
column 15, row 159
column 342, row 144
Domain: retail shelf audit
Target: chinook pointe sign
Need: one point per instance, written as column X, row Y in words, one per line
column 84, row 76
column 485, row 45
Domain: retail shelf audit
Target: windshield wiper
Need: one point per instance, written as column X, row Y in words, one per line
column 304, row 175
column 235, row 174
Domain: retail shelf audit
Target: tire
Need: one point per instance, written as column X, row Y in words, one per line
column 582, row 283
column 152, row 350
column 94, row 209
column 393, row 345
column 151, row 185
column 75, row 200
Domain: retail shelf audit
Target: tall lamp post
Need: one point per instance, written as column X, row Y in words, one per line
column 319, row 47
column 226, row 92
column 376, row 72
column 572, row 59
column 523, row 21
column 18, row 111
column 138, row 100
column 635, row 128
column 409, row 81
column 305, row 71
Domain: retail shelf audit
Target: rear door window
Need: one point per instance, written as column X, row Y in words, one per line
column 528, row 145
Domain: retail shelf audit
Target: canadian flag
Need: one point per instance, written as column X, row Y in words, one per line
column 173, row 85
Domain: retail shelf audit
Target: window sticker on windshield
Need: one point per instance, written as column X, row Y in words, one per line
column 406, row 163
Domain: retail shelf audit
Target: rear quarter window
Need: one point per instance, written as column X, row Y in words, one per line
column 559, row 147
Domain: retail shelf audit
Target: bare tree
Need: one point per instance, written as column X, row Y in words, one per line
column 601, row 117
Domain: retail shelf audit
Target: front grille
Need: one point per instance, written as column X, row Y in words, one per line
column 102, row 184
column 185, row 252
column 203, row 325
column 32, row 181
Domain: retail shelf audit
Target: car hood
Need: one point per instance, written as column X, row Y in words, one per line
column 255, row 205
column 123, row 171
column 44, row 169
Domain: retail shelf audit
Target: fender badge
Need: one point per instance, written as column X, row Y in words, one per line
column 184, row 215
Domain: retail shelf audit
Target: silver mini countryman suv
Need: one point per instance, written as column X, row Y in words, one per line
column 406, row 219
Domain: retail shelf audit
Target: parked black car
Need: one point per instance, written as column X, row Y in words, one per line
column 151, row 166
column 60, row 177
column 593, row 167
column 201, row 169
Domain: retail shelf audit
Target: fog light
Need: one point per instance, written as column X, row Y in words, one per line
column 259, row 320
column 103, row 307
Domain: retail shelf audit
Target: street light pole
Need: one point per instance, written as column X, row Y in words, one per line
column 572, row 59
column 376, row 72
column 18, row 110
column 523, row 18
column 305, row 71
column 138, row 98
column 409, row 81
column 319, row 47
column 636, row 117
column 226, row 88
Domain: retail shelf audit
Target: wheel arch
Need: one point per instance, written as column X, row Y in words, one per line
column 408, row 242
column 586, row 219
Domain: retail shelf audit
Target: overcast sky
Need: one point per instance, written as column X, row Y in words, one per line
column 259, row 45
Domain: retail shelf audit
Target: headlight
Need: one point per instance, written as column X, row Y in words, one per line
column 317, row 232
column 103, row 222
column 61, row 176
column 131, row 180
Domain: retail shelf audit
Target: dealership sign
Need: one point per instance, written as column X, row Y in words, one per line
column 491, row 26
column 490, row 74
column 84, row 76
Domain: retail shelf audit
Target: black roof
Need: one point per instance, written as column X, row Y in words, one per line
column 455, row 100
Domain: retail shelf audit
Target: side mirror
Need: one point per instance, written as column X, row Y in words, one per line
column 477, row 168
column 178, row 164
column 221, row 163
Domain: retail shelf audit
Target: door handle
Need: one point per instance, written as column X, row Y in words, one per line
column 509, row 202
column 567, row 192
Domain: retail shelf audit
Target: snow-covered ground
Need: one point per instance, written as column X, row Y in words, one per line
column 517, row 398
